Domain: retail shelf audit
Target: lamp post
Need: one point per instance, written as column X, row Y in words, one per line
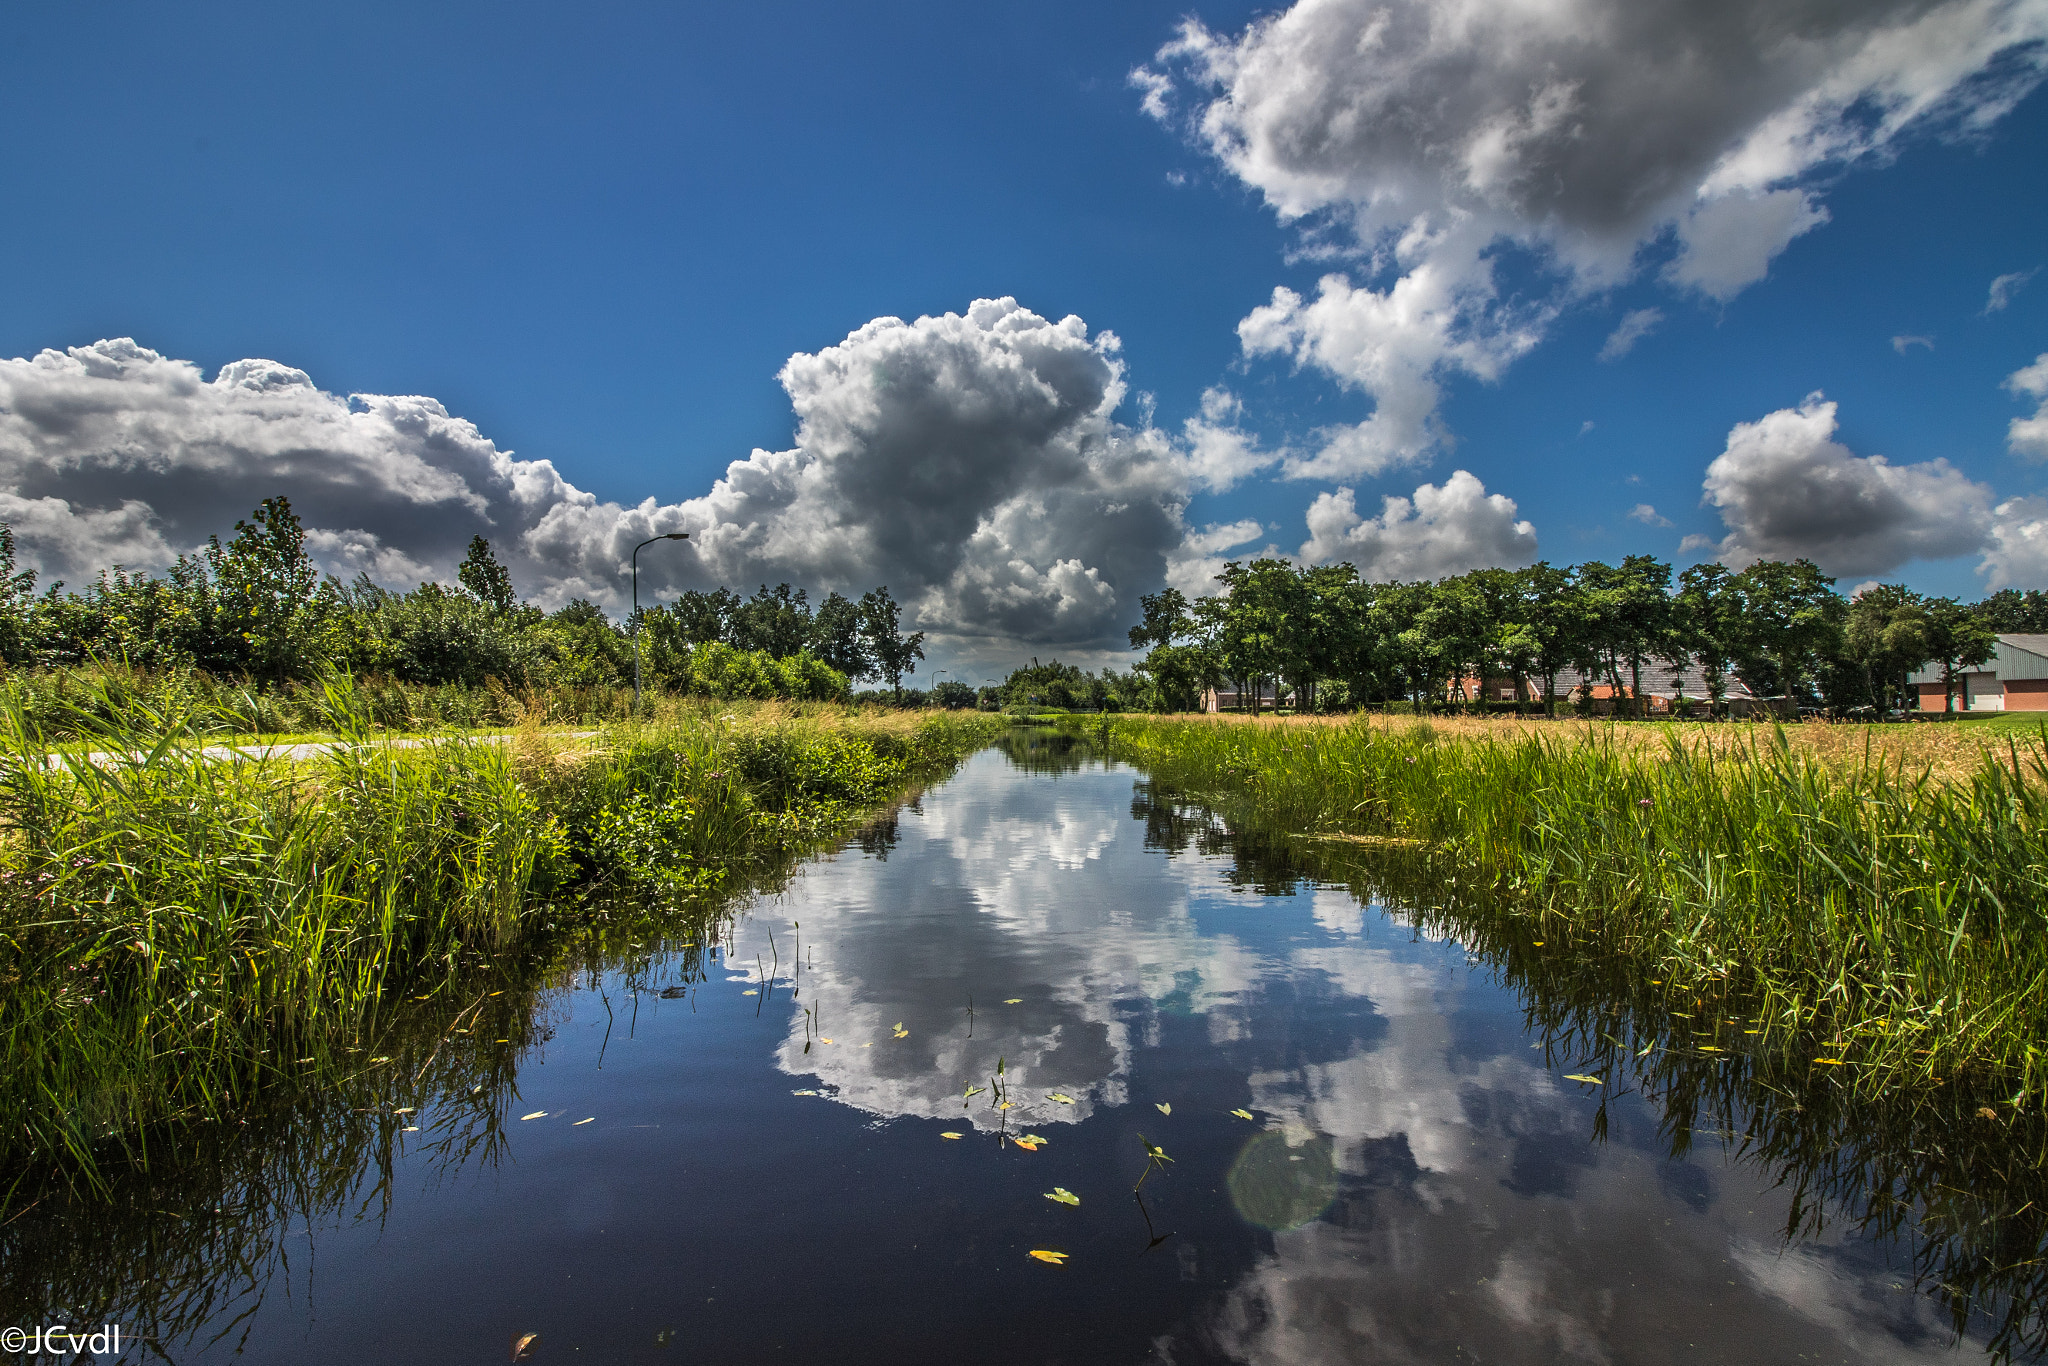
column 670, row 536
column 935, row 677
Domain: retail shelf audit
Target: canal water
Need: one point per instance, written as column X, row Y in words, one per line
column 899, row 1112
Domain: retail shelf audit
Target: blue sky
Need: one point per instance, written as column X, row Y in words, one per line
column 597, row 235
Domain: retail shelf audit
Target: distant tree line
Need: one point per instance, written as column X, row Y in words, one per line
column 1329, row 640
column 255, row 607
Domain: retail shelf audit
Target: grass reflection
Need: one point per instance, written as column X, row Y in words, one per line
column 1954, row 1172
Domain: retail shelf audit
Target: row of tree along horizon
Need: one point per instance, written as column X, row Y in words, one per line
column 255, row 607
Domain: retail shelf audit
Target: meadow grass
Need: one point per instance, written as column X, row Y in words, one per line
column 178, row 934
column 1884, row 921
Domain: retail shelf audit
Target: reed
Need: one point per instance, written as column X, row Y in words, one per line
column 180, row 933
column 1875, row 919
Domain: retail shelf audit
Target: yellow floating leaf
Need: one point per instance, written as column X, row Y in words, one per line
column 971, row 1092
column 1056, row 1258
column 1244, row 1114
column 412, row 1128
column 406, row 1110
column 1164, row 1107
column 822, row 1039
column 949, row 1134
column 1537, row 945
column 897, row 1026
column 1061, row 1195
column 581, row 1122
column 1832, row 1062
column 1017, row 1001
column 803, row 1093
column 523, row 1344
column 902, row 1033
column 1060, row 1099
column 1004, row 1106
column 1028, row 1143
column 750, row 993
column 1580, row 1076
column 537, row 1114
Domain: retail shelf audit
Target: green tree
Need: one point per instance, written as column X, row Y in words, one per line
column 483, row 576
column 1787, row 619
column 893, row 652
column 835, row 637
column 1705, row 627
column 776, row 620
column 1886, row 637
column 1958, row 638
column 270, row 595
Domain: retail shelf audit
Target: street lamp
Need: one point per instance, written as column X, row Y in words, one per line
column 670, row 536
column 935, row 677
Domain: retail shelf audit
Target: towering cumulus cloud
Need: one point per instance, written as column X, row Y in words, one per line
column 970, row 462
column 1787, row 490
column 1430, row 139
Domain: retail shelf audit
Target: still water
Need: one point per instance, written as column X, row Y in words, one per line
column 774, row 1156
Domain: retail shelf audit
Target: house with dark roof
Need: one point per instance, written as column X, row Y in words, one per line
column 2015, row 678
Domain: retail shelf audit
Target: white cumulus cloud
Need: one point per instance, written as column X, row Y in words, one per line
column 971, row 462
column 1443, row 529
column 2016, row 553
column 1424, row 139
column 1786, row 489
column 2028, row 436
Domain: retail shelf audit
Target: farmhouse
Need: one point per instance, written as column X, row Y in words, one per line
column 2014, row 679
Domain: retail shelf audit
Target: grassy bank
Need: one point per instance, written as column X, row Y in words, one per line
column 1884, row 922
column 179, row 934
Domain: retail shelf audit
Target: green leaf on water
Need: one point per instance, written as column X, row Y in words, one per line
column 1018, row 1001
column 1056, row 1258
column 1164, row 1107
column 969, row 1094
column 803, row 1093
column 949, row 1134
column 750, row 993
column 1580, row 1076
column 1244, row 1114
column 537, row 1114
column 1061, row 1195
column 1057, row 1097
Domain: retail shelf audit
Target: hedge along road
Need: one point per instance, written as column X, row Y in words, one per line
column 312, row 749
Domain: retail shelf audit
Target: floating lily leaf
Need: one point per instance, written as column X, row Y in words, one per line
column 523, row 1344
column 1030, row 1143
column 1060, row 1099
column 537, row 1114
column 581, row 1122
column 1580, row 1076
column 1061, row 1195
column 803, row 1093
column 950, row 1134
column 1056, row 1258
column 1164, row 1107
column 1244, row 1114
column 1018, row 1001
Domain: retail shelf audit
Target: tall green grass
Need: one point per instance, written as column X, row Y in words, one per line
column 1877, row 922
column 179, row 933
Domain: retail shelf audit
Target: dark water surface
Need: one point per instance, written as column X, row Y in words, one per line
column 1419, row 1181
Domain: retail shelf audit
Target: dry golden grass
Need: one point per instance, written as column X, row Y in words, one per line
column 1950, row 750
